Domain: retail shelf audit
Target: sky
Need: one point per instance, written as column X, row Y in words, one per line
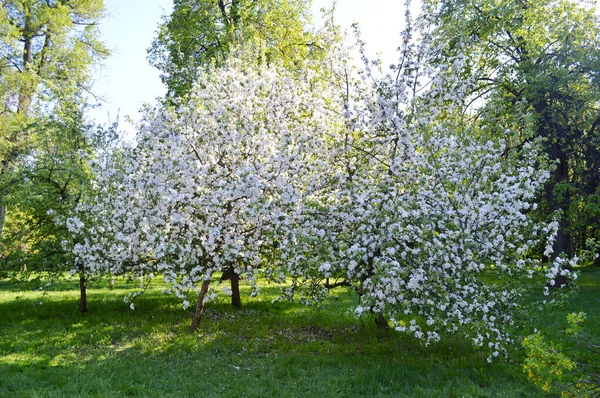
column 126, row 80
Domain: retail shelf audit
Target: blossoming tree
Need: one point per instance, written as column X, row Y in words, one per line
column 424, row 216
column 209, row 185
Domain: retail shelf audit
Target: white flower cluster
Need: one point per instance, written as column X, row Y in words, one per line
column 211, row 184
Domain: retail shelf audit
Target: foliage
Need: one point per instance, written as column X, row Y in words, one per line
column 200, row 34
column 537, row 61
column 546, row 364
column 423, row 213
column 42, row 189
column 48, row 49
column 45, row 187
column 385, row 185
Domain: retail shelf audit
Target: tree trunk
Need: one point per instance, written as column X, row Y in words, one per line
column 200, row 305
column 235, row 289
column 230, row 275
column 28, row 86
column 2, row 218
column 560, row 201
column 82, row 290
column 25, row 96
column 380, row 320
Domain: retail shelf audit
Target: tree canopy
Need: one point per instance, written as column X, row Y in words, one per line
column 200, row 33
column 431, row 190
column 46, row 59
column 538, row 61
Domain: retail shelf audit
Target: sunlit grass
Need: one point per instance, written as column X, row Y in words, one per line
column 48, row 349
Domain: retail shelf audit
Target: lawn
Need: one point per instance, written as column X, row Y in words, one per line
column 265, row 349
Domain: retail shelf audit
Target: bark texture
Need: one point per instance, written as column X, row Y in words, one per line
column 200, row 305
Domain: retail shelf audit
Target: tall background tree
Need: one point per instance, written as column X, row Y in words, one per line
column 537, row 61
column 199, row 33
column 47, row 52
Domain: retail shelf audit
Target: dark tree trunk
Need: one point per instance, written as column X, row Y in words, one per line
column 236, row 301
column 2, row 218
column 200, row 305
column 235, row 13
column 82, row 290
column 28, row 86
column 234, row 279
column 560, row 200
column 380, row 320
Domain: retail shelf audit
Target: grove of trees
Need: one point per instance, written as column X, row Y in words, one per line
column 443, row 191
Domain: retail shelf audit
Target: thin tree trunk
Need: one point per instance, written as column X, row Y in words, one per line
column 200, row 305
column 28, row 86
column 2, row 218
column 82, row 289
column 236, row 300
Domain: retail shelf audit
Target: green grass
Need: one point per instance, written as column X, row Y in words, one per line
column 261, row 350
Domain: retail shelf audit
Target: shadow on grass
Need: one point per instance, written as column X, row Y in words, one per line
column 262, row 349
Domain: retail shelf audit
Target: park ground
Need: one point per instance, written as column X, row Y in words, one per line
column 265, row 349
